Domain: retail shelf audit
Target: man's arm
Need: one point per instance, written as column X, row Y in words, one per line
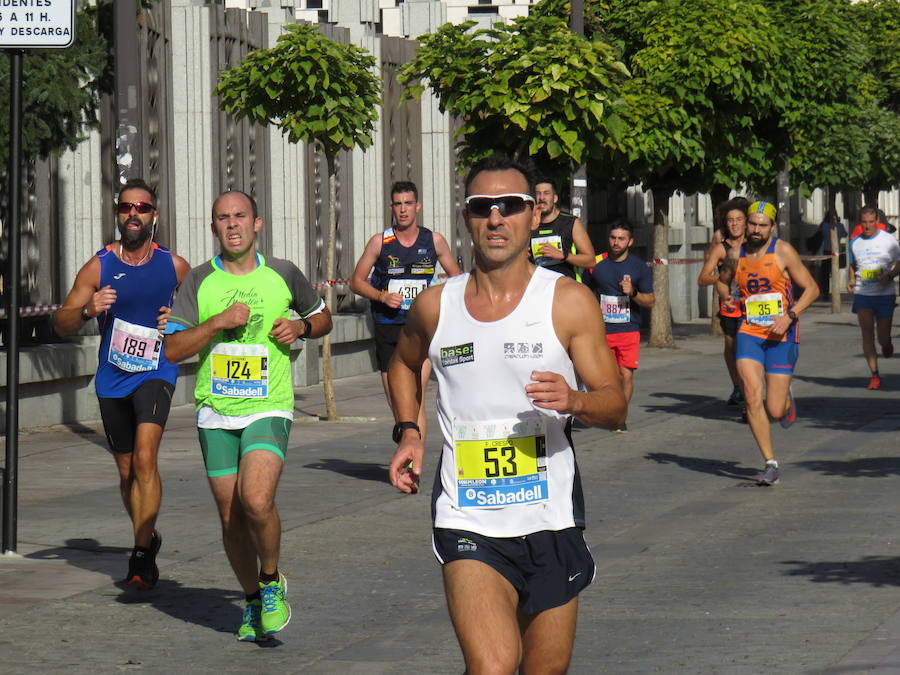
column 585, row 255
column 404, row 385
column 790, row 260
column 359, row 280
column 183, row 344
column 444, row 256
column 85, row 294
column 579, row 326
column 726, row 276
column 709, row 274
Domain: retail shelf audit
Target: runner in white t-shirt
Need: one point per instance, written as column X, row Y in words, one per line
column 874, row 263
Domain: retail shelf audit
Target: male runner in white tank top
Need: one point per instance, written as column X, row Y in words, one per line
column 506, row 342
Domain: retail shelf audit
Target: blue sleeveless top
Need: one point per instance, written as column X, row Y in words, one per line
column 398, row 263
column 126, row 359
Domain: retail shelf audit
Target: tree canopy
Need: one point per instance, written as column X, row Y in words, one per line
column 529, row 88
column 311, row 87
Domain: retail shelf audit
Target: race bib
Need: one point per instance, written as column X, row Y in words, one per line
column 134, row 348
column 239, row 371
column 554, row 240
column 870, row 276
column 500, row 463
column 764, row 308
column 408, row 289
column 615, row 308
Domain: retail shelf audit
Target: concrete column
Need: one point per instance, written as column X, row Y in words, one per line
column 192, row 101
column 288, row 169
column 80, row 207
column 420, row 17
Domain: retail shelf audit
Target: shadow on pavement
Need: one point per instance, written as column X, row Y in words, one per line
column 869, row 467
column 715, row 467
column 706, row 407
column 214, row 608
column 359, row 470
column 87, row 554
column 875, row 570
column 88, row 434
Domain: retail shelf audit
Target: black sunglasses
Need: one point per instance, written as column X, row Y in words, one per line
column 140, row 207
column 506, row 205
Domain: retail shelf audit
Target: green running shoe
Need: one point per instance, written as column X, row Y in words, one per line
column 276, row 612
column 250, row 629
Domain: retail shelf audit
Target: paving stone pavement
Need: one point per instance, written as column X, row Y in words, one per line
column 698, row 571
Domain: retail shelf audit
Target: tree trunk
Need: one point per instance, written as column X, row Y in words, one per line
column 870, row 196
column 661, row 314
column 718, row 194
column 835, row 263
column 327, row 375
column 783, row 188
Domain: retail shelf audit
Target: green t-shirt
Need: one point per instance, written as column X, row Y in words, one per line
column 244, row 370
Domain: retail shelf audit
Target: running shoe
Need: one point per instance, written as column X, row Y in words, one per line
column 142, row 571
column 787, row 420
column 622, row 429
column 770, row 475
column 251, row 629
column 888, row 352
column 276, row 612
column 736, row 398
column 874, row 383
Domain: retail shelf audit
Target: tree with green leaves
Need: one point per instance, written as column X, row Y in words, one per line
column 878, row 31
column 822, row 112
column 530, row 89
column 688, row 119
column 61, row 91
column 317, row 91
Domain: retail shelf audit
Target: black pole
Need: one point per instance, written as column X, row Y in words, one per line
column 11, row 286
column 579, row 186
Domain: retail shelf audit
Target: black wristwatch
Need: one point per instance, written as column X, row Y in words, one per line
column 307, row 327
column 792, row 314
column 84, row 314
column 400, row 427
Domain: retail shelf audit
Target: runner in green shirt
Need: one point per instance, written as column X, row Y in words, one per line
column 235, row 312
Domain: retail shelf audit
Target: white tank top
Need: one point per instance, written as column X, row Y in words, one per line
column 507, row 468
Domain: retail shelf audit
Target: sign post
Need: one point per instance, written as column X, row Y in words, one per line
column 40, row 25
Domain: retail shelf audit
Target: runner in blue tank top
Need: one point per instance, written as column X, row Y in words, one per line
column 402, row 261
column 128, row 287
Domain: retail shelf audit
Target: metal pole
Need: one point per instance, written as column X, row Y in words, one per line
column 578, row 189
column 11, row 286
column 129, row 150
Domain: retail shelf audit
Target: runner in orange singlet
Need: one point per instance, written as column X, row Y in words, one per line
column 765, row 268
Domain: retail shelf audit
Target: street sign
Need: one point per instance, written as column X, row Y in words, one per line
column 36, row 24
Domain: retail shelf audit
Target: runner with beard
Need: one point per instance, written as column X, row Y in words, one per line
column 128, row 286
column 561, row 242
column 765, row 269
column 624, row 286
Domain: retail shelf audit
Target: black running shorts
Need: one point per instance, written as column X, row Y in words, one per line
column 149, row 403
column 546, row 568
column 386, row 335
column 730, row 324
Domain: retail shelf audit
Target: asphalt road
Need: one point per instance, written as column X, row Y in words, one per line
column 699, row 570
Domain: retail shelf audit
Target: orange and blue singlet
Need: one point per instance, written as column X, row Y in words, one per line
column 766, row 293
